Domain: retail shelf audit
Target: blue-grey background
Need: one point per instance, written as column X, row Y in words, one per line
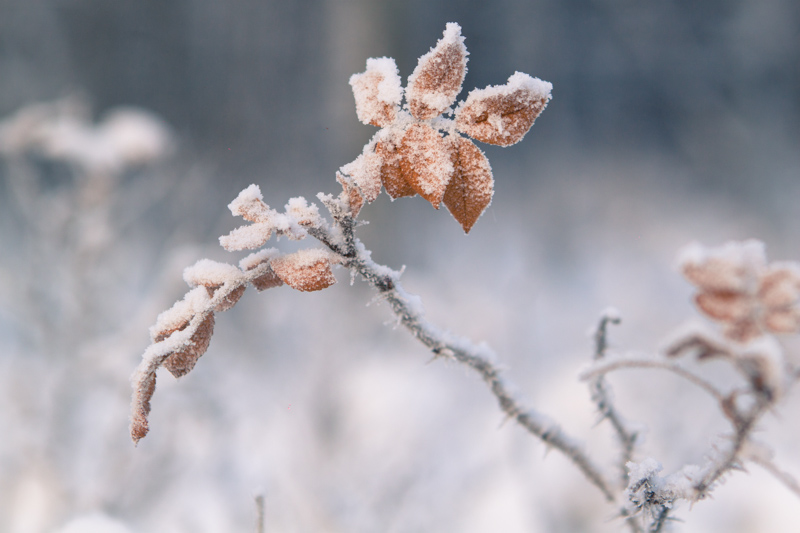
column 670, row 121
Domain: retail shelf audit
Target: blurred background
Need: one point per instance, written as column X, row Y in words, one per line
column 127, row 127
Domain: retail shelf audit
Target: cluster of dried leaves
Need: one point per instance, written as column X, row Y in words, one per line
column 752, row 300
column 417, row 151
column 182, row 333
column 737, row 288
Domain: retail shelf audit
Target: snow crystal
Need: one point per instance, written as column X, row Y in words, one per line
column 211, row 273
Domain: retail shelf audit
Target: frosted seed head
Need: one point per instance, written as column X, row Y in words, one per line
column 435, row 83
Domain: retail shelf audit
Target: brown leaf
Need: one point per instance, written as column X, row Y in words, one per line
column 229, row 300
column 425, row 162
column 780, row 286
column 143, row 388
column 182, row 360
column 717, row 274
column 783, row 320
column 471, row 188
column 377, row 92
column 435, row 83
column 726, row 306
column 351, row 193
column 503, row 114
column 306, row 270
column 365, row 172
column 392, row 177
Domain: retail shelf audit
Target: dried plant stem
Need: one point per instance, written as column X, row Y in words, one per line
column 784, row 477
column 260, row 513
column 744, row 424
column 443, row 344
column 620, row 362
column 601, row 395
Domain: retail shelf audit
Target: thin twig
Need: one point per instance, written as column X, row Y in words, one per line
column 618, row 363
column 260, row 513
column 601, row 395
column 784, row 477
column 462, row 350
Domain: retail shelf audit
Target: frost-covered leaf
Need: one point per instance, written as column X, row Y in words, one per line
column 378, row 92
column 780, row 285
column 302, row 212
column 306, row 270
column 177, row 317
column 392, row 177
column 503, row 114
column 144, row 385
column 365, row 172
column 734, row 266
column 726, row 306
column 211, row 274
column 249, row 205
column 350, row 194
column 267, row 280
column 783, row 320
column 183, row 359
column 471, row 188
column 247, row 237
column 425, row 162
column 435, row 83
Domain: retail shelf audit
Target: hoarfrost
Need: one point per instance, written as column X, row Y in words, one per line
column 210, row 273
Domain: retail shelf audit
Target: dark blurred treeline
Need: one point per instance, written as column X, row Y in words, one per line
column 259, row 88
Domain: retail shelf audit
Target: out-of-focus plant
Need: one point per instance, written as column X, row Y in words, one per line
column 72, row 190
column 424, row 148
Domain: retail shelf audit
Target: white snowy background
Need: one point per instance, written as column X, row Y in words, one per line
column 669, row 123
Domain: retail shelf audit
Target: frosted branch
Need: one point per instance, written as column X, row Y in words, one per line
column 620, row 362
column 444, row 344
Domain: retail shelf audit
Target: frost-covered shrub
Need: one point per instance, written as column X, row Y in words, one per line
column 420, row 150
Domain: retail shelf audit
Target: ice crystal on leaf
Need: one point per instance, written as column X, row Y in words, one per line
column 419, row 151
